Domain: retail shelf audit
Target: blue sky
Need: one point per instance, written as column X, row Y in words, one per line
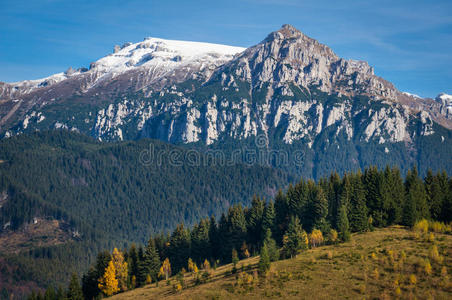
column 408, row 42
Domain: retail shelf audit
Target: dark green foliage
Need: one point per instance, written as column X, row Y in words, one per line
column 358, row 210
column 270, row 244
column 268, row 220
column 254, row 221
column 264, row 260
column 150, row 264
column 295, row 238
column 343, row 224
column 179, row 250
column 111, row 193
column 416, row 206
column 74, row 290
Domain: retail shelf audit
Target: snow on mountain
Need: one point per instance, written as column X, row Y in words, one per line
column 446, row 103
column 412, row 95
column 160, row 52
column 157, row 56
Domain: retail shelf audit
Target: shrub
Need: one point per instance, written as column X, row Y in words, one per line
column 332, row 236
column 329, row 255
column 413, row 279
column 421, row 226
column 376, row 274
column 427, row 267
column 435, row 256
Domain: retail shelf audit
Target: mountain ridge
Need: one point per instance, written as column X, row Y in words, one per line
column 289, row 88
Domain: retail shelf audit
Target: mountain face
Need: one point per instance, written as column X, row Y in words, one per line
column 289, row 91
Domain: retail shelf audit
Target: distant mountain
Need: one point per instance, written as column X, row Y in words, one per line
column 289, row 92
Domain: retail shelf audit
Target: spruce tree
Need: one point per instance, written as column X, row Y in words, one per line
column 268, row 221
column 295, row 238
column 358, row 209
column 416, row 206
column 264, row 260
column 74, row 290
column 179, row 249
column 343, row 224
column 282, row 214
column 254, row 221
column 272, row 248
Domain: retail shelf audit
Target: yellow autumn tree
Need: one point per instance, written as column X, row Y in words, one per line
column 206, row 265
column 108, row 283
column 192, row 267
column 121, row 269
column 165, row 269
column 316, row 238
column 244, row 250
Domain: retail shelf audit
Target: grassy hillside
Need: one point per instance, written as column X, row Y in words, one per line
column 377, row 264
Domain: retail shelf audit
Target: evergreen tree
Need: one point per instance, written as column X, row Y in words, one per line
column 334, row 197
column 133, row 262
column 200, row 244
column 295, row 238
column 74, row 290
column 373, row 186
column 179, row 249
column 264, row 260
column 358, row 209
column 254, row 221
column 268, row 221
column 343, row 225
column 272, row 248
column 214, row 245
column 282, row 214
column 416, row 206
column 90, row 284
column 345, row 196
column 237, row 226
column 435, row 188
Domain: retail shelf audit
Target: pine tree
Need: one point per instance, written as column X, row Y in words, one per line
column 358, row 209
column 90, row 284
column 282, row 214
column 254, row 221
column 108, row 283
column 152, row 260
column 295, row 238
column 200, row 244
column 416, row 207
column 373, row 186
column 237, row 225
column 133, row 262
column 333, row 196
column 268, row 221
column 264, row 260
column 273, row 250
column 343, row 225
column 179, row 249
column 74, row 290
column 214, row 245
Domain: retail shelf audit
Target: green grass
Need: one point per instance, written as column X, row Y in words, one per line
column 367, row 267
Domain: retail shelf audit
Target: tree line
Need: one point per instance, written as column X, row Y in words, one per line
column 329, row 210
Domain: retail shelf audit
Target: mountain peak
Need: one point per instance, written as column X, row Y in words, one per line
column 286, row 31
